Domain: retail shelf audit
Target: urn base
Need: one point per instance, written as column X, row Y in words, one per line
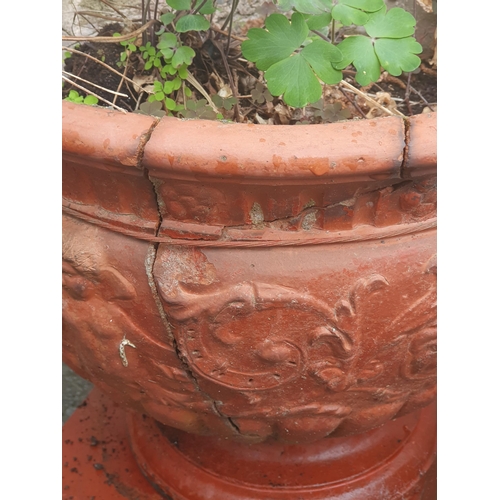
column 394, row 461
column 107, row 453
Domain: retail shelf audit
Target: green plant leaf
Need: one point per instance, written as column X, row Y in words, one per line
column 168, row 88
column 268, row 46
column 167, row 18
column 151, row 108
column 397, row 56
column 90, row 99
column 177, row 82
column 319, row 21
column 179, row 4
column 320, row 55
column 391, row 46
column 167, row 41
column 396, row 23
column 355, row 11
column 167, row 53
column 294, row 79
column 312, row 6
column 207, row 9
column 359, row 51
column 192, row 22
column 183, row 55
column 170, row 103
column 182, row 71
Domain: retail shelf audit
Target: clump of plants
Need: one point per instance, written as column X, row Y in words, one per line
column 182, row 63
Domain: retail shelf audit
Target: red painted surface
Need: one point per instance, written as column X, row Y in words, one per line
column 98, row 461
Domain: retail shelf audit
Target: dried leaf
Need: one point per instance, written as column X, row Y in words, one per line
column 425, row 4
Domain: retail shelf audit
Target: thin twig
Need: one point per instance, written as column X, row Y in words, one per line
column 234, row 90
column 372, row 101
column 236, row 37
column 122, row 78
column 194, row 82
column 428, row 71
column 396, row 99
column 109, row 39
column 415, row 91
column 354, row 103
column 195, row 11
column 111, row 6
column 96, row 14
column 92, row 93
column 95, row 85
column 316, row 32
column 103, row 64
column 231, row 16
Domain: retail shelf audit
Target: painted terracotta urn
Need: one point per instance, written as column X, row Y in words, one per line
column 262, row 299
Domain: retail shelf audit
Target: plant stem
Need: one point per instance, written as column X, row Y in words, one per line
column 321, row 35
column 109, row 39
column 94, row 94
column 333, row 31
column 230, row 17
column 199, row 7
column 117, row 93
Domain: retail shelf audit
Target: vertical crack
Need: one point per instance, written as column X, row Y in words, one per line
column 149, row 266
column 402, row 168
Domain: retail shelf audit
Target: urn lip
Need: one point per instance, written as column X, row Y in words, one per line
column 375, row 149
column 201, row 180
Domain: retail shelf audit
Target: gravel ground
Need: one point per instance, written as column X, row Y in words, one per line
column 74, row 390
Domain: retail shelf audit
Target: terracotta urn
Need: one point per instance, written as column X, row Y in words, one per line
column 261, row 299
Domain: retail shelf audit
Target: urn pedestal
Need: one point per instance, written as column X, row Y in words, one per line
column 261, row 300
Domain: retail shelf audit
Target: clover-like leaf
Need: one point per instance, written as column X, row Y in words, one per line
column 397, row 56
column 359, row 51
column 167, row 40
column 192, row 22
column 395, row 23
column 390, row 46
column 179, row 4
column 278, row 41
column 293, row 75
column 355, row 11
column 167, row 18
column 183, row 55
column 207, row 8
column 151, row 108
column 319, row 21
column 294, row 79
column 260, row 94
column 320, row 55
column 312, row 6
column 90, row 99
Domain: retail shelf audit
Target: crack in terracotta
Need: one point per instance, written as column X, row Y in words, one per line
column 149, row 266
column 402, row 168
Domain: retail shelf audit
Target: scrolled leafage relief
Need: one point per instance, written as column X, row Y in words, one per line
column 281, row 362
column 99, row 334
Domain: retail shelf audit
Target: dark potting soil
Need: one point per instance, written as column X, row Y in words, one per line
column 209, row 70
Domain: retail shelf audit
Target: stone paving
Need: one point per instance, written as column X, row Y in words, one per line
column 74, row 390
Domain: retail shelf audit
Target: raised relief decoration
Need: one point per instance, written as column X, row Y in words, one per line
column 263, row 351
